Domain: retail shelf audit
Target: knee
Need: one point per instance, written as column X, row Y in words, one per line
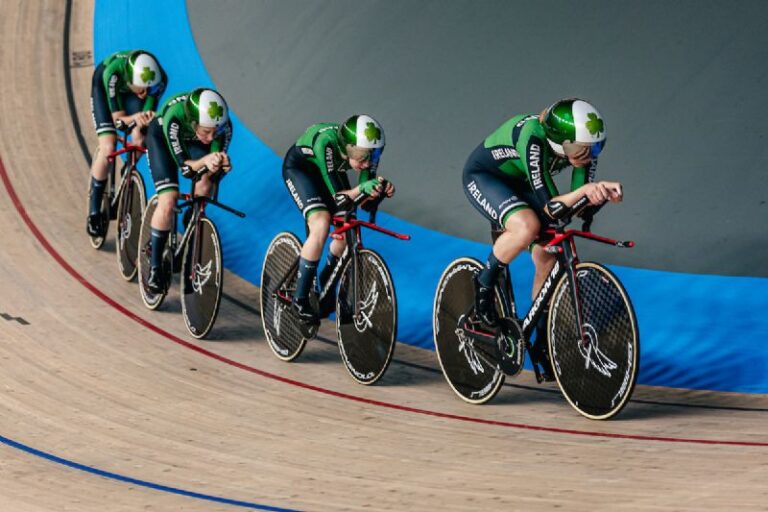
column 166, row 204
column 106, row 145
column 319, row 224
column 524, row 225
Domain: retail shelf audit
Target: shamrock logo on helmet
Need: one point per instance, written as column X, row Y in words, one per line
column 594, row 124
column 372, row 132
column 215, row 111
column 147, row 75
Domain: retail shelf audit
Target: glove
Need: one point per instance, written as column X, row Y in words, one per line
column 367, row 187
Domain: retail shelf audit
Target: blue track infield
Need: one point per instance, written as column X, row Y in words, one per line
column 697, row 331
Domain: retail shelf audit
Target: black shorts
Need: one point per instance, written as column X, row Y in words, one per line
column 493, row 193
column 162, row 165
column 100, row 113
column 305, row 184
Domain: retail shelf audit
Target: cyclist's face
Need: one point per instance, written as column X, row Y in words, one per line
column 359, row 158
column 141, row 92
column 205, row 134
column 359, row 165
column 580, row 161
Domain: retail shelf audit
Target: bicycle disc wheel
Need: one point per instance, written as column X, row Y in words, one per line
column 597, row 380
column 471, row 369
column 366, row 340
column 282, row 327
column 202, row 277
column 98, row 241
column 130, row 207
column 151, row 300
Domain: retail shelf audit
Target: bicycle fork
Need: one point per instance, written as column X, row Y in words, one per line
column 571, row 260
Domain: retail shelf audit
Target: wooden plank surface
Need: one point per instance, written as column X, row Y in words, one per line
column 94, row 385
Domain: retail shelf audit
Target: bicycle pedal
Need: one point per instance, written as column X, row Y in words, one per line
column 308, row 330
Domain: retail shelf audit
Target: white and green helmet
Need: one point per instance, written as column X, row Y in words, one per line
column 207, row 108
column 142, row 69
column 574, row 121
column 361, row 131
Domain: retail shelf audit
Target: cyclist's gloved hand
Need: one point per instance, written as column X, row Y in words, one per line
column 369, row 187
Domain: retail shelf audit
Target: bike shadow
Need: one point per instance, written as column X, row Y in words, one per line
column 320, row 350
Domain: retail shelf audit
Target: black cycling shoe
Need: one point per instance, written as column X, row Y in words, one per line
column 485, row 309
column 95, row 225
column 156, row 280
column 541, row 358
column 305, row 311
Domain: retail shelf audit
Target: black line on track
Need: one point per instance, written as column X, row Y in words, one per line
column 87, row 155
column 68, row 83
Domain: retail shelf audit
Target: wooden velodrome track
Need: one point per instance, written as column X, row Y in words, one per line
column 107, row 406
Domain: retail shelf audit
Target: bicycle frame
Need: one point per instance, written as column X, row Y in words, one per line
column 346, row 227
column 198, row 204
column 563, row 246
column 134, row 154
column 350, row 228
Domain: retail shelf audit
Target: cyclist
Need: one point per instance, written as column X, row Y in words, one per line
column 126, row 87
column 314, row 171
column 508, row 178
column 191, row 131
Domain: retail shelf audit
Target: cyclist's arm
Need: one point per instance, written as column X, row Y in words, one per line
column 111, row 80
column 172, row 128
column 150, row 103
column 323, row 158
column 535, row 163
column 583, row 175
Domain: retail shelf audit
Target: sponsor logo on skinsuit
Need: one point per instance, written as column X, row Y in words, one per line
column 534, row 164
column 504, row 153
column 474, row 191
column 295, row 194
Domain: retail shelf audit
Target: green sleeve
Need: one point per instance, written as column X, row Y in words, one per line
column 324, row 160
column 535, row 157
column 112, row 84
column 172, row 129
column 578, row 177
column 149, row 103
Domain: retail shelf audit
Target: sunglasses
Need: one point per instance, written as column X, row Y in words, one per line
column 579, row 150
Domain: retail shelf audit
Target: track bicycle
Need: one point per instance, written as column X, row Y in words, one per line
column 124, row 202
column 592, row 333
column 366, row 305
column 197, row 256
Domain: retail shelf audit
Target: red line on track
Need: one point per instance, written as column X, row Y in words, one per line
column 66, row 266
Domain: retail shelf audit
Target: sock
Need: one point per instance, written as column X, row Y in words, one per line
column 305, row 278
column 487, row 276
column 97, row 192
column 330, row 264
column 158, row 238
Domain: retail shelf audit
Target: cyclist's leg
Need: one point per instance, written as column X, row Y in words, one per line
column 496, row 198
column 543, row 262
column 105, row 130
column 304, row 183
column 335, row 251
column 166, row 178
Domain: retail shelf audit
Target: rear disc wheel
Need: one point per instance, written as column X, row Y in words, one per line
column 471, row 368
